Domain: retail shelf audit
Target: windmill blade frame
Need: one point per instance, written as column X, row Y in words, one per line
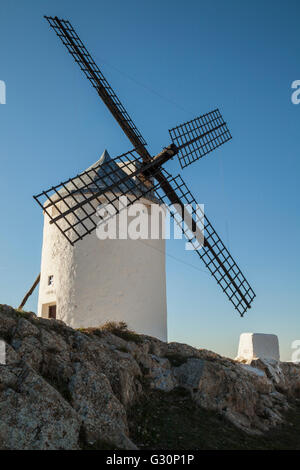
column 200, row 136
column 210, row 248
column 72, row 204
column 70, row 39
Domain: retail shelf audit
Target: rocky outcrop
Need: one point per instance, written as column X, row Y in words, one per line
column 66, row 389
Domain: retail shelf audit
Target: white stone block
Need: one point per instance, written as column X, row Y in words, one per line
column 258, row 346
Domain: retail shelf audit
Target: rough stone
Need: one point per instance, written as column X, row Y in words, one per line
column 103, row 416
column 160, row 374
column 33, row 415
column 68, row 389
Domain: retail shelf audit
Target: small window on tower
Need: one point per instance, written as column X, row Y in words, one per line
column 50, row 280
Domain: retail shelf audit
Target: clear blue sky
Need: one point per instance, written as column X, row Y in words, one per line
column 169, row 61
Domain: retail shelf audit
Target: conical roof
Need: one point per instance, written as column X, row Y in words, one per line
column 94, row 180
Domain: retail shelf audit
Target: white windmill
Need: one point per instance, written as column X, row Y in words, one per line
column 86, row 281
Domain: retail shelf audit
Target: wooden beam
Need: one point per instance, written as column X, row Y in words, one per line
column 29, row 292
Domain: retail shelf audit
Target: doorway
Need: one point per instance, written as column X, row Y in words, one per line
column 52, row 311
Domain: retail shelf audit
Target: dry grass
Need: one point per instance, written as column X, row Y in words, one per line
column 119, row 329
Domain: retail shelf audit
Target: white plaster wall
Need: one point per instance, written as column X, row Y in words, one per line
column 258, row 345
column 105, row 280
column 57, row 260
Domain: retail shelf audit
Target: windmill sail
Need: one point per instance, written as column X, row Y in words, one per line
column 199, row 137
column 210, row 248
column 76, row 48
column 72, row 204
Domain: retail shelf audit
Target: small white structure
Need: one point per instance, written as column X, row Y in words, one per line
column 96, row 281
column 258, row 346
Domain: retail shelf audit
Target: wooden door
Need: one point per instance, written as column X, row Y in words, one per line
column 52, row 311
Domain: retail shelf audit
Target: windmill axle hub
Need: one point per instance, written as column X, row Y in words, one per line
column 165, row 155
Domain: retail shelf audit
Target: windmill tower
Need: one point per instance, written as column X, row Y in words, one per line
column 94, row 281
column 72, row 264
